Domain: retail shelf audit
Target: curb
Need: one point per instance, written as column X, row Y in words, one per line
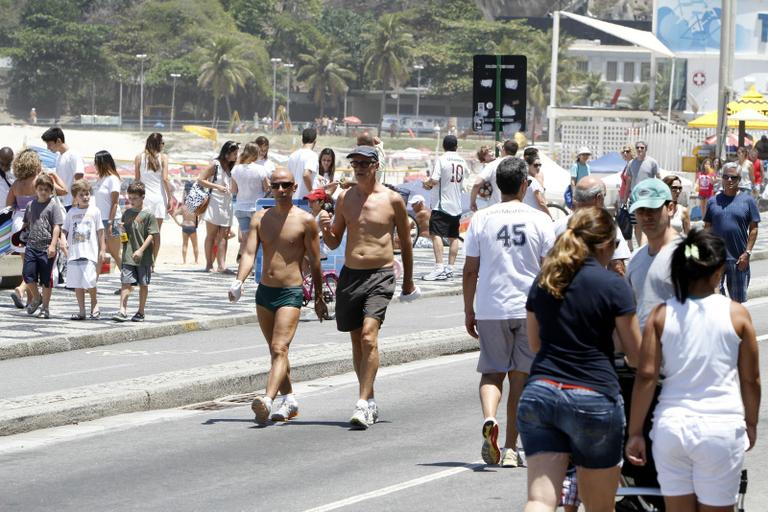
column 67, row 342
column 184, row 387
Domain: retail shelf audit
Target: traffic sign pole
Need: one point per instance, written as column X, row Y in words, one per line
column 497, row 105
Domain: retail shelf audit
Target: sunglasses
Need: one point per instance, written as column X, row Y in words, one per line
column 285, row 185
column 731, row 178
column 640, row 148
column 537, row 165
column 676, row 189
column 360, row 164
column 627, row 151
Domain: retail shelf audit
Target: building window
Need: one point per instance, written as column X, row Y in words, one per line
column 611, row 71
column 645, row 72
column 629, row 72
column 582, row 66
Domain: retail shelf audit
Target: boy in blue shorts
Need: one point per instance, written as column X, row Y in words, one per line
column 42, row 220
column 140, row 229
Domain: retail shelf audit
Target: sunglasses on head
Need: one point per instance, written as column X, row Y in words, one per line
column 285, row 185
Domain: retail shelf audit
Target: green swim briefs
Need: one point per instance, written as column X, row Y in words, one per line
column 274, row 298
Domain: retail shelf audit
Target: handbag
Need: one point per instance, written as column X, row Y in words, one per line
column 624, row 222
column 198, row 196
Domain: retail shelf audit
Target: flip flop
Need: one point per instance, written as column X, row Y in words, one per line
column 17, row 300
column 95, row 315
column 77, row 316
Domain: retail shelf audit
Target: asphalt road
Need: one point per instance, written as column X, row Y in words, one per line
column 39, row 374
column 424, row 454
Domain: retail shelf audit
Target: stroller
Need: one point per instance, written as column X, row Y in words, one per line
column 639, row 487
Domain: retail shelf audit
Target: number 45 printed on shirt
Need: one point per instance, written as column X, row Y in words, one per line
column 517, row 238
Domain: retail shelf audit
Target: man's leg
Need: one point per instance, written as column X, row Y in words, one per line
column 491, row 385
column 437, row 248
column 279, row 329
column 516, row 385
column 453, row 251
column 367, row 359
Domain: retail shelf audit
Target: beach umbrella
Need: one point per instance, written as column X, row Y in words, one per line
column 352, row 120
column 731, row 140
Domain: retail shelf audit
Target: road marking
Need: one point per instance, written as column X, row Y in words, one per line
column 250, row 347
column 87, row 371
column 449, row 316
column 397, row 487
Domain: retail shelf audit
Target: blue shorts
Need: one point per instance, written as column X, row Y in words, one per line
column 115, row 229
column 587, row 424
column 38, row 267
column 244, row 220
column 735, row 281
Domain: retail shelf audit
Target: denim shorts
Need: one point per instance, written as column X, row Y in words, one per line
column 587, row 424
column 244, row 220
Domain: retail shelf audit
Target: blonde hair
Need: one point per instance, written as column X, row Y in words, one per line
column 629, row 148
column 588, row 229
column 250, row 153
column 27, row 165
column 78, row 186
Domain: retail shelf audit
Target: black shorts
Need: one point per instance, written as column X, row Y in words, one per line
column 363, row 293
column 38, row 267
column 444, row 225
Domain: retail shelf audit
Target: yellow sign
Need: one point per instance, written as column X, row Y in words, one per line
column 203, row 131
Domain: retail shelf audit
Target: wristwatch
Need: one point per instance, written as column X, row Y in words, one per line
column 748, row 253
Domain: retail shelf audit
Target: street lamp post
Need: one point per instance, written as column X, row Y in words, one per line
column 142, row 57
column 289, row 67
column 275, row 61
column 173, row 97
column 120, row 102
column 418, row 68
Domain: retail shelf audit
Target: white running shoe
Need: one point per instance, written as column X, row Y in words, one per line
column 288, row 409
column 374, row 410
column 261, row 407
column 438, row 274
column 448, row 271
column 361, row 417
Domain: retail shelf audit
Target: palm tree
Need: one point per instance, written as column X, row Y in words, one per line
column 592, row 90
column 223, row 72
column 324, row 75
column 386, row 57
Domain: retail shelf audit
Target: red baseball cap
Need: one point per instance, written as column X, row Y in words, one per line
column 316, row 195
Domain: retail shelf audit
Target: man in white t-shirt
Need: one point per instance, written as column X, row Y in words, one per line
column 504, row 247
column 488, row 175
column 590, row 191
column 446, row 179
column 303, row 163
column 69, row 166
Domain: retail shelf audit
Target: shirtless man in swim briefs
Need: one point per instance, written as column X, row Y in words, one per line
column 370, row 213
column 286, row 234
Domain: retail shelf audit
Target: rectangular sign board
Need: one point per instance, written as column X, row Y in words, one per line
column 513, row 93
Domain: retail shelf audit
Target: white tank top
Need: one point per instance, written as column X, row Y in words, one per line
column 699, row 360
column 152, row 179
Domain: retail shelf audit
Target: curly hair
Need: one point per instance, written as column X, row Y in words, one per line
column 27, row 165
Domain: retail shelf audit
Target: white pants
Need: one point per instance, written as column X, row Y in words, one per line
column 701, row 455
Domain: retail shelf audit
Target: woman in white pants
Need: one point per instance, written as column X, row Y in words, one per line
column 704, row 344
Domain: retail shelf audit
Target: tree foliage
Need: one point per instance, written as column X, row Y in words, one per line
column 324, row 75
column 223, row 71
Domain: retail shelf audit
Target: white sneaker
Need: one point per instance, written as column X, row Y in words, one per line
column 261, row 407
column 374, row 410
column 510, row 458
column 438, row 274
column 288, row 409
column 448, row 272
column 361, row 417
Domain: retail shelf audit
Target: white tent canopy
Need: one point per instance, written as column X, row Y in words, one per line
column 637, row 37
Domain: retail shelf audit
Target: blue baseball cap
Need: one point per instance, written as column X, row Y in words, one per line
column 650, row 193
column 366, row 151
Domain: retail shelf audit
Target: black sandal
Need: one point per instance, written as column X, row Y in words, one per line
column 77, row 316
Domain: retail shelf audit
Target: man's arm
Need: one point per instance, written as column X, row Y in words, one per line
column 743, row 262
column 312, row 250
column 403, row 227
column 469, row 288
column 334, row 232
column 251, row 246
column 308, row 178
column 479, row 180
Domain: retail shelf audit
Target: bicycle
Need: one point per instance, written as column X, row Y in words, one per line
column 330, row 281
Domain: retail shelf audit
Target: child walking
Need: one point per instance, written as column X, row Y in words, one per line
column 84, row 230
column 42, row 220
column 140, row 229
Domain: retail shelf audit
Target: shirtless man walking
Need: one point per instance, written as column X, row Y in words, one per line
column 287, row 234
column 370, row 213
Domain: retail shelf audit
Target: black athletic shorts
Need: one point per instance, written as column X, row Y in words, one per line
column 363, row 293
column 444, row 225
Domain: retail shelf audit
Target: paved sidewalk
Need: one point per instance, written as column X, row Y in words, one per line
column 180, row 300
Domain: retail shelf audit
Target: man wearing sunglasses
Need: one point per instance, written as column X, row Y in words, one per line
column 287, row 234
column 640, row 169
column 734, row 217
column 590, row 191
column 370, row 213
